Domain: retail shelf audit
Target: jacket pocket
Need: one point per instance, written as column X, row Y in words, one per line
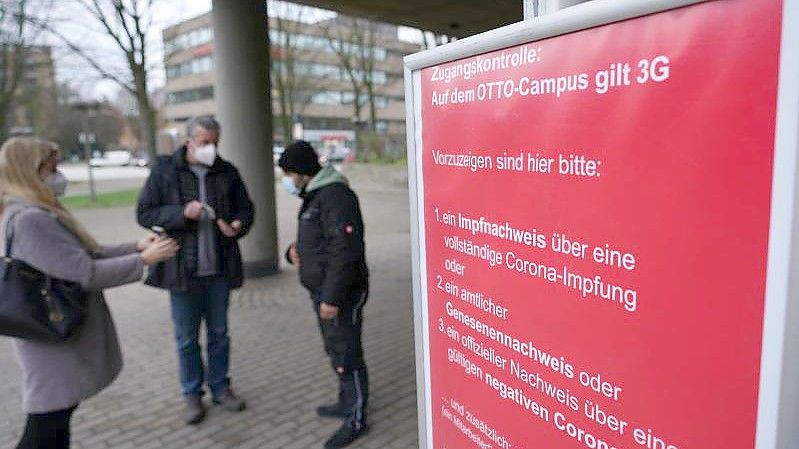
column 312, row 275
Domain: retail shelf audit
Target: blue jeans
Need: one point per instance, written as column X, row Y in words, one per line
column 208, row 300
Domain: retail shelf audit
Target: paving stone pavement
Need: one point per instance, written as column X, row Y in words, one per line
column 278, row 364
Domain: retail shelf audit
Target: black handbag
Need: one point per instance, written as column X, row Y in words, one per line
column 35, row 306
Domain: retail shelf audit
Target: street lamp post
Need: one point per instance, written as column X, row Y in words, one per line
column 359, row 147
column 88, row 109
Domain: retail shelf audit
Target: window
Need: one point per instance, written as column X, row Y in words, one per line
column 380, row 53
column 326, row 123
column 317, row 43
column 191, row 39
column 325, row 98
column 381, row 126
column 186, row 96
column 378, row 77
column 349, row 98
column 190, row 67
column 339, row 98
column 329, row 72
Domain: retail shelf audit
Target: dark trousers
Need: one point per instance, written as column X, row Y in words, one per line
column 342, row 339
column 208, row 300
column 47, row 430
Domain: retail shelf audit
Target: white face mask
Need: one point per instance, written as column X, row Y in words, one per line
column 205, row 154
column 289, row 185
column 56, row 182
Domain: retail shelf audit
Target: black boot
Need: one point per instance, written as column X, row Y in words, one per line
column 354, row 397
column 345, row 435
column 337, row 410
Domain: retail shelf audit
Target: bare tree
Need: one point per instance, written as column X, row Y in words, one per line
column 353, row 41
column 127, row 23
column 16, row 41
column 364, row 42
column 106, row 124
column 290, row 76
column 12, row 44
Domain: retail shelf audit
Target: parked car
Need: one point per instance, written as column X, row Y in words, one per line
column 336, row 154
column 140, row 159
column 112, row 159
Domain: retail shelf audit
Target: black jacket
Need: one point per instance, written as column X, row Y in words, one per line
column 170, row 186
column 330, row 243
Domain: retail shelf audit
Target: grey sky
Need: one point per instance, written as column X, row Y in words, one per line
column 76, row 24
column 87, row 34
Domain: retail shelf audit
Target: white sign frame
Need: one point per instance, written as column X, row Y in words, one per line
column 778, row 407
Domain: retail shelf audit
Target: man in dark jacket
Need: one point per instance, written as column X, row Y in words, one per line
column 200, row 200
column 330, row 255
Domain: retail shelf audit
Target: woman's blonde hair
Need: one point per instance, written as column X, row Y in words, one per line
column 21, row 160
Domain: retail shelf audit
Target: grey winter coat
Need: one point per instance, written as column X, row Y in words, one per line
column 57, row 376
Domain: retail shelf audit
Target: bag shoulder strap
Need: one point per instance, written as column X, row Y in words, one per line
column 10, row 229
column 10, row 232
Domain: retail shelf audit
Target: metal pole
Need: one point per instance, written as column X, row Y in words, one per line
column 88, row 154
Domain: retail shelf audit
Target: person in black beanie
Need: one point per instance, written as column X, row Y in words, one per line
column 330, row 255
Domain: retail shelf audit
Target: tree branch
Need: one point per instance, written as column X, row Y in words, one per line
column 140, row 33
column 97, row 11
column 85, row 56
column 121, row 12
column 13, row 56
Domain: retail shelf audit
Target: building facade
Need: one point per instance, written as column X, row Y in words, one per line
column 32, row 107
column 313, row 66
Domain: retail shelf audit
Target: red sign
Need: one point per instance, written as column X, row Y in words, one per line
column 203, row 50
column 596, row 211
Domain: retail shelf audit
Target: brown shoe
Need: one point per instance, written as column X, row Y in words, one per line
column 229, row 401
column 195, row 410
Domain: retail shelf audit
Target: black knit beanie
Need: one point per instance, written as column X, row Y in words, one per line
column 301, row 158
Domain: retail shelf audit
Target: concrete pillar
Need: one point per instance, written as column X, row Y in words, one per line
column 244, row 109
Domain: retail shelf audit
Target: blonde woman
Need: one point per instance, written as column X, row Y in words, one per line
column 57, row 376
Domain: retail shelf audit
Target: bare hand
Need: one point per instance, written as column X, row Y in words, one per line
column 145, row 242
column 193, row 210
column 160, row 250
column 294, row 255
column 229, row 230
column 327, row 311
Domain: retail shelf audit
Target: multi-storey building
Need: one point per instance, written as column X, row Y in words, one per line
column 33, row 104
column 320, row 87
